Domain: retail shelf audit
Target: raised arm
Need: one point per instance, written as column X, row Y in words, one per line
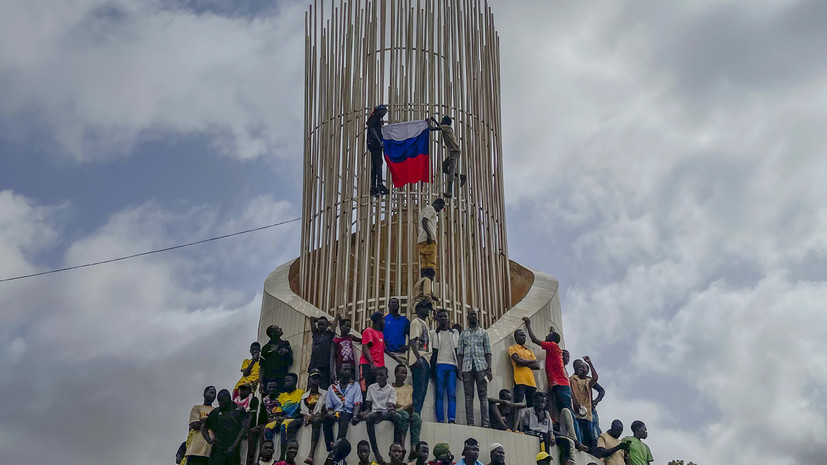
column 531, row 335
column 588, row 360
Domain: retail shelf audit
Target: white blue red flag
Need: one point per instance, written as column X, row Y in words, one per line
column 406, row 151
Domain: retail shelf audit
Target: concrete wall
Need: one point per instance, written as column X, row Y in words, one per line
column 281, row 306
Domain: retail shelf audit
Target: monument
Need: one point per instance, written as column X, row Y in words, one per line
column 420, row 58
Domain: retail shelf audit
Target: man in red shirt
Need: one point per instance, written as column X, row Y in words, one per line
column 555, row 371
column 373, row 349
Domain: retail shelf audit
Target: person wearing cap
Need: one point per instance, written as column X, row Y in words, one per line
column 470, row 453
column 497, row 454
column 376, row 146
column 312, row 410
column 543, row 458
column 249, row 369
column 442, row 455
column 449, row 165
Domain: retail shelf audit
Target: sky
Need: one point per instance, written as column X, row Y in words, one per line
column 662, row 161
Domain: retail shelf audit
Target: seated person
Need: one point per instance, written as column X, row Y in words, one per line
column 290, row 402
column 312, row 411
column 503, row 413
column 342, row 405
column 270, row 413
column 244, row 395
column 404, row 408
column 381, row 403
column 536, row 421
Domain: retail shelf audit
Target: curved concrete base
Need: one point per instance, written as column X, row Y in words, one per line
column 283, row 307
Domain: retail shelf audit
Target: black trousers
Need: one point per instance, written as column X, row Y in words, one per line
column 521, row 391
column 376, row 168
column 344, row 422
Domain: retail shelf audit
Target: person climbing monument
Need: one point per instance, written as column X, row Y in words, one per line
column 376, row 147
column 449, row 165
column 426, row 241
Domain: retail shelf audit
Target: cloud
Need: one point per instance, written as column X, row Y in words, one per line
column 126, row 349
column 102, row 76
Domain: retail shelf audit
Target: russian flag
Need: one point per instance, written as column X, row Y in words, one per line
column 406, row 151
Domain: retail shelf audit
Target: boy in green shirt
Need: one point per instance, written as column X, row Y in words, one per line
column 638, row 452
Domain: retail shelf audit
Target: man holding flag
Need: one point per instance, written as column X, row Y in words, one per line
column 449, row 165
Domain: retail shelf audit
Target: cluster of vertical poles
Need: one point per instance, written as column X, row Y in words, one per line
column 421, row 58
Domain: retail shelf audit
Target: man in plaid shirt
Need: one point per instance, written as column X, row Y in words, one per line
column 474, row 359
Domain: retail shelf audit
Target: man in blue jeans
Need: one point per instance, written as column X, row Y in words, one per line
column 445, row 341
column 419, row 353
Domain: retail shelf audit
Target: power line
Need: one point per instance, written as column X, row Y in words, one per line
column 166, row 249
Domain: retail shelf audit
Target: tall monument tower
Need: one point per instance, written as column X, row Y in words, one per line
column 421, row 58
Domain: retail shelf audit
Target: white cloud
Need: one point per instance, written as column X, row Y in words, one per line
column 147, row 333
column 106, row 75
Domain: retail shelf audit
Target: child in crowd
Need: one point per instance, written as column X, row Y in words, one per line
column 266, row 452
column 406, row 416
column 312, row 410
column 381, row 402
column 343, row 343
column 291, row 453
column 363, row 453
column 250, row 369
column 290, row 403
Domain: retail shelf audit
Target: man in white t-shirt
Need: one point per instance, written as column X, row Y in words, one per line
column 445, row 341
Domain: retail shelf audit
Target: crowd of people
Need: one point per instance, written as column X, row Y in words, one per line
column 345, row 388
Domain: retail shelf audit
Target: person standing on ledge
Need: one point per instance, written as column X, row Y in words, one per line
column 581, row 388
column 449, row 165
column 223, row 429
column 610, row 448
column 523, row 362
column 376, row 147
column 419, row 344
column 322, row 351
column 276, row 358
column 426, row 241
column 396, row 330
column 474, row 361
column 638, row 452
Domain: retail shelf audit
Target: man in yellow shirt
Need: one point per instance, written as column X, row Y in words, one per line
column 249, row 369
column 611, row 449
column 523, row 361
